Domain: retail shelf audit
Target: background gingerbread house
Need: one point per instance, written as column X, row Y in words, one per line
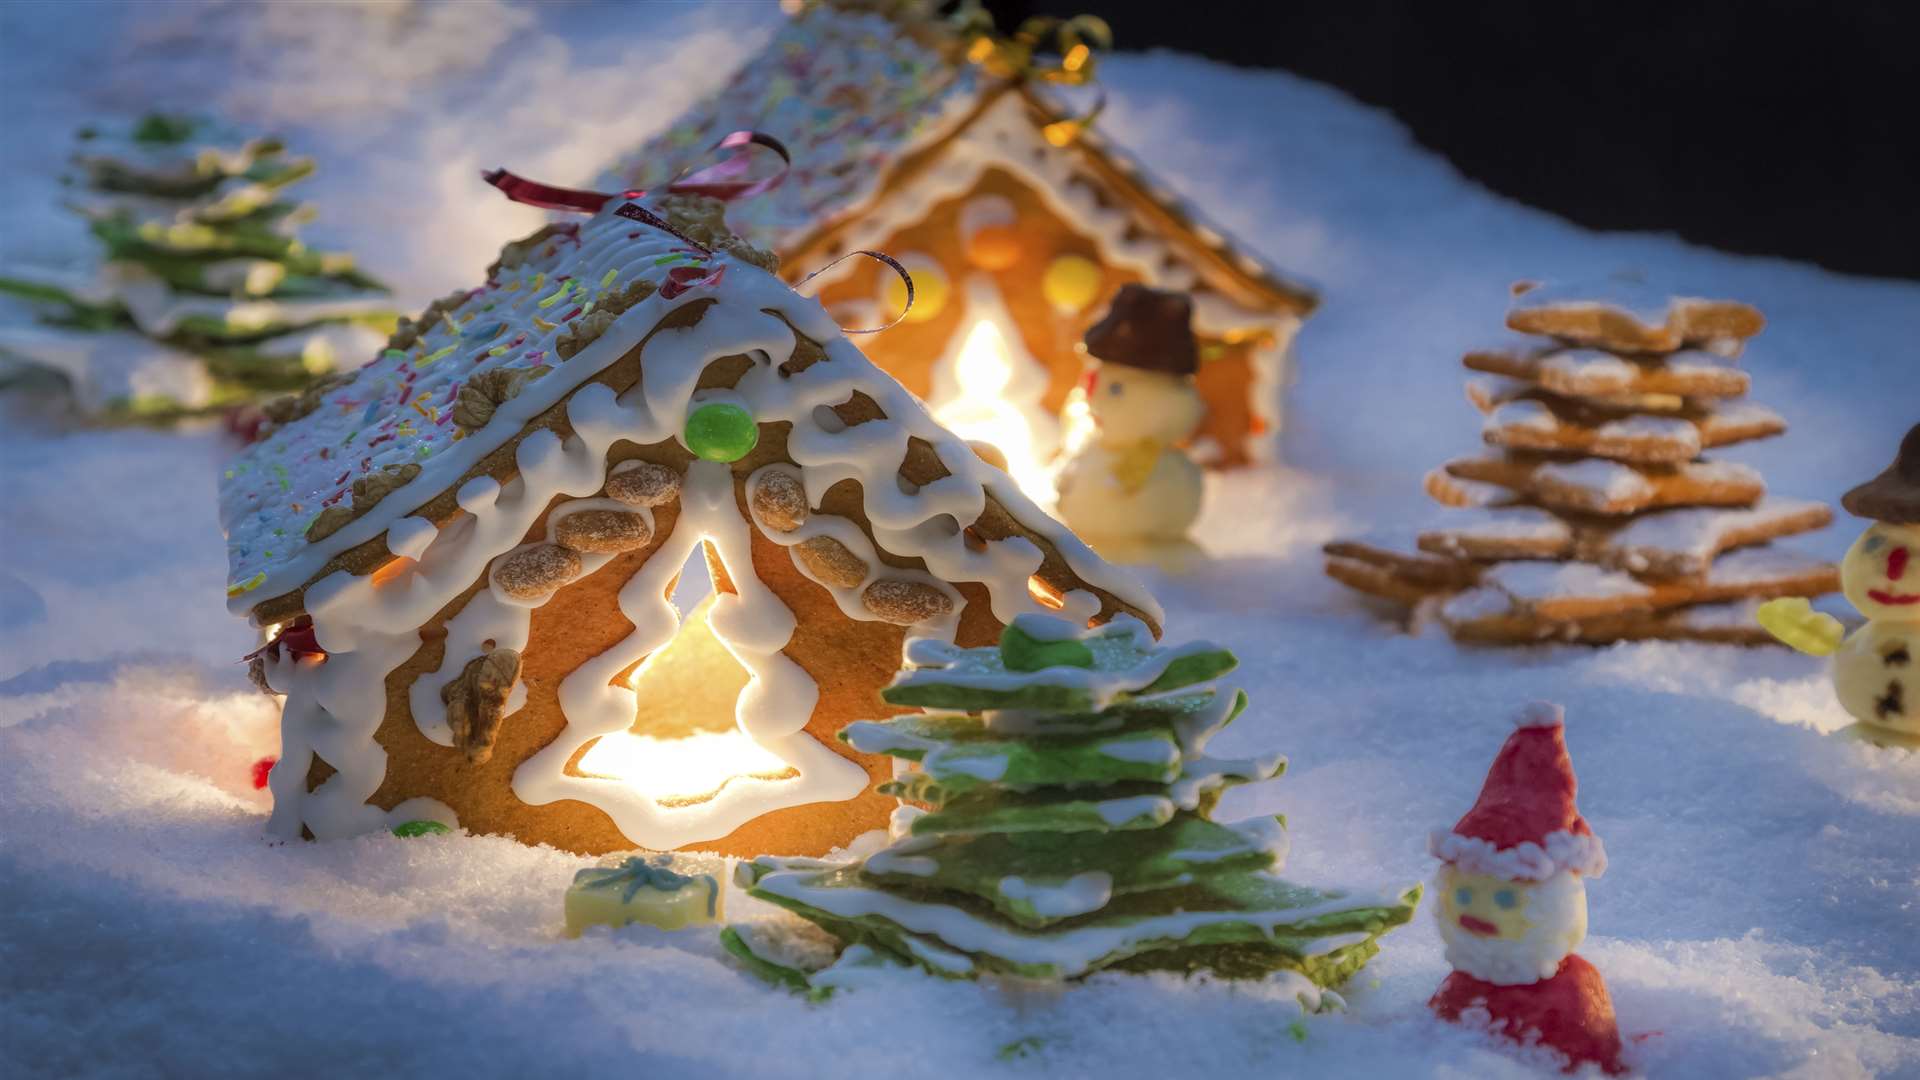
column 901, row 144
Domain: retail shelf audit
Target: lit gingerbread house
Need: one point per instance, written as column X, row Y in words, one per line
column 901, row 144
column 471, row 555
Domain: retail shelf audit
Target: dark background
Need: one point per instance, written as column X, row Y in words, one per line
column 1763, row 127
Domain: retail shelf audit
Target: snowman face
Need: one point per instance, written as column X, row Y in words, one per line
column 1130, row 404
column 1881, row 573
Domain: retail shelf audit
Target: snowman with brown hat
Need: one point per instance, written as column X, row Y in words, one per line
column 1876, row 669
column 1131, row 481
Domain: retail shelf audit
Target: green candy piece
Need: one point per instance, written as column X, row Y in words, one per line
column 1021, row 651
column 722, row 432
column 412, row 829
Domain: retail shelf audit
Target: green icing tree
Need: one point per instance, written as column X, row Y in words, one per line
column 1069, row 825
column 204, row 295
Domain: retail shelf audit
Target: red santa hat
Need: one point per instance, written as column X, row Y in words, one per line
column 1526, row 826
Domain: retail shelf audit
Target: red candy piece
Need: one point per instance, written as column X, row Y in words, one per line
column 261, row 769
column 1571, row 1012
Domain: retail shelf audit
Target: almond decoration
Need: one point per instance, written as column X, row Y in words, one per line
column 488, row 391
column 831, row 561
column 366, row 493
column 587, row 329
column 603, row 532
column 905, row 603
column 519, row 251
column 407, row 332
column 780, row 501
column 477, row 701
column 704, row 221
column 532, row 573
column 290, row 407
column 646, row 484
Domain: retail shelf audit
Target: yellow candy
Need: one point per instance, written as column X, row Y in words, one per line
column 667, row 891
column 931, row 290
column 1071, row 283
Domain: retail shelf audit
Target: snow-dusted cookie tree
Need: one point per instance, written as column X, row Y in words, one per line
column 1063, row 824
column 202, row 295
column 1593, row 515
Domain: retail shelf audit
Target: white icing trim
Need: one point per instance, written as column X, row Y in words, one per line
column 1558, row 850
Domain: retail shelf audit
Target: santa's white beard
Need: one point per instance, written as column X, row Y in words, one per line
column 1506, row 963
column 1557, row 909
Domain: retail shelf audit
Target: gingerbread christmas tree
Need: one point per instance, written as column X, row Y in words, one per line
column 1594, row 514
column 202, row 295
column 1064, row 823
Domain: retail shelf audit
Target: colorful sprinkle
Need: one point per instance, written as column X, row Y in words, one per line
column 549, row 301
column 395, row 355
column 437, row 354
column 248, row 585
column 542, row 323
column 611, row 275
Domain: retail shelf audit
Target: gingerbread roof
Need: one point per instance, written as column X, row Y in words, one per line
column 864, row 100
column 504, row 396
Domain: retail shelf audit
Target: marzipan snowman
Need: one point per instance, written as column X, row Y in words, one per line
column 1876, row 669
column 1513, row 903
column 1130, row 481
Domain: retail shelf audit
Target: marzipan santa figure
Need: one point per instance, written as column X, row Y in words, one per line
column 1876, row 669
column 1513, row 904
column 1131, row 481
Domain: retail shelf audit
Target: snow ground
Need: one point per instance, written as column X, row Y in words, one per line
column 1758, row 917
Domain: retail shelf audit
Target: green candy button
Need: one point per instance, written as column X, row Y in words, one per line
column 1021, row 651
column 721, row 432
column 420, row 828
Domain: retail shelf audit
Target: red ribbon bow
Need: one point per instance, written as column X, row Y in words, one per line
column 723, row 180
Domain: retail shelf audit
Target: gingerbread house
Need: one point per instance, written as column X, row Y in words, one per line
column 467, row 555
column 1016, row 243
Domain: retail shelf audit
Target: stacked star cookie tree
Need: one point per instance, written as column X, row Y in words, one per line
column 1070, row 826
column 204, row 295
column 1594, row 516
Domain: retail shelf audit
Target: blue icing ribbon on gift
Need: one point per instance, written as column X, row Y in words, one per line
column 638, row 873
